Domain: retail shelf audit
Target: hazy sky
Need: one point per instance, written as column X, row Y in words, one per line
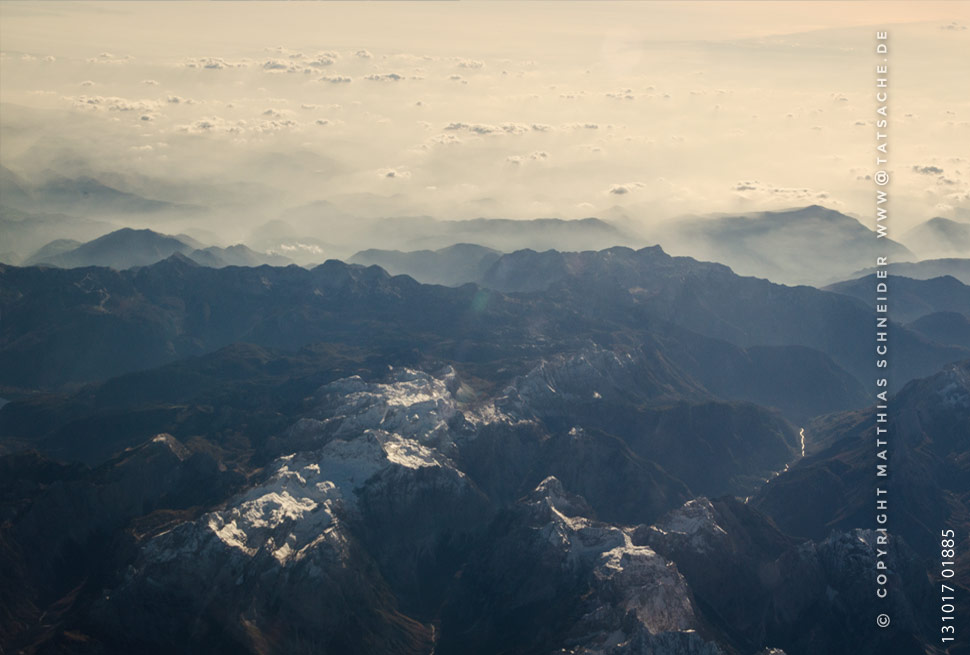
column 643, row 109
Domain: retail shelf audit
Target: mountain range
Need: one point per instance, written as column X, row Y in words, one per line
column 311, row 234
column 807, row 245
column 536, row 301
column 452, row 266
column 608, row 451
column 542, row 536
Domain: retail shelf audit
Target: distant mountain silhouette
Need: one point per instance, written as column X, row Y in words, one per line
column 13, row 188
column 810, row 245
column 84, row 195
column 237, row 255
column 939, row 237
column 923, row 270
column 52, row 250
column 910, row 299
column 301, row 229
column 120, row 249
column 88, row 194
column 127, row 248
column 451, row 266
column 25, row 232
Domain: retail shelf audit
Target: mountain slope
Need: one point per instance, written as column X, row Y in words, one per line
column 928, row 485
column 911, row 299
column 930, row 475
column 652, row 287
column 124, row 248
column 944, row 327
column 532, row 498
column 365, row 517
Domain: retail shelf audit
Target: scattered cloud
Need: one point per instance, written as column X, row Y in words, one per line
column 384, row 77
column 111, row 103
column 109, row 58
column 504, row 128
column 321, row 60
column 210, row 125
column 276, row 64
column 622, row 95
column 213, row 63
column 624, row 189
column 769, row 194
column 563, row 126
column 537, row 156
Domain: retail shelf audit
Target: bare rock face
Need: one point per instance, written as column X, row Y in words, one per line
column 546, row 562
column 455, row 470
column 289, row 550
column 373, row 509
column 730, row 554
column 389, row 526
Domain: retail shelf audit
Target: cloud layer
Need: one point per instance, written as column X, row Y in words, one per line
column 583, row 119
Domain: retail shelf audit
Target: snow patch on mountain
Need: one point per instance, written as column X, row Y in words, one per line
column 430, row 409
column 365, row 429
column 591, row 376
column 569, row 378
column 693, row 523
column 624, row 579
column 955, row 393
